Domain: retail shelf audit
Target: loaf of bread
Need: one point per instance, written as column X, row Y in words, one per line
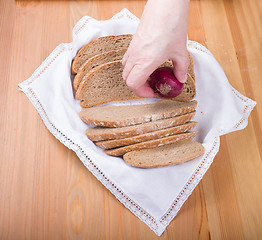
column 100, row 74
column 165, row 155
column 121, row 116
column 98, row 46
column 150, row 144
column 145, row 134
column 108, row 144
column 105, row 84
column 106, row 133
column 96, row 61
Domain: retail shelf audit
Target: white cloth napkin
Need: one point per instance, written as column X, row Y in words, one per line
column 153, row 195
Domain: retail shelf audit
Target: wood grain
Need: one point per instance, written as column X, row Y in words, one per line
column 47, row 193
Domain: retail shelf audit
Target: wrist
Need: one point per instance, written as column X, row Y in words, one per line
column 166, row 11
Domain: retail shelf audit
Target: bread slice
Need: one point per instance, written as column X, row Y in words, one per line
column 102, row 133
column 121, row 116
column 190, row 70
column 150, row 144
column 98, row 46
column 95, row 61
column 189, row 90
column 104, row 84
column 165, row 155
column 108, row 144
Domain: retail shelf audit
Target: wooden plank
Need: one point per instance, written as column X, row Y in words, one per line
column 232, row 57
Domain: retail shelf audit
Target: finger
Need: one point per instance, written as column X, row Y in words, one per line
column 125, row 58
column 139, row 75
column 181, row 65
column 127, row 68
column 145, row 91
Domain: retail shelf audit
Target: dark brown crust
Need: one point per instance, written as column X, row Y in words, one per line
column 73, row 67
column 201, row 152
column 150, row 144
column 184, row 96
column 79, row 76
column 86, row 103
column 108, row 144
column 143, row 128
column 191, row 70
column 86, row 78
column 141, row 119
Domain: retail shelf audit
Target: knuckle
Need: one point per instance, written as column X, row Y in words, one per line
column 183, row 64
column 131, row 84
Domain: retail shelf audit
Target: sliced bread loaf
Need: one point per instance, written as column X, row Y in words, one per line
column 102, row 133
column 121, row 116
column 95, row 61
column 104, row 84
column 165, row 155
column 150, row 144
column 108, row 144
column 98, row 46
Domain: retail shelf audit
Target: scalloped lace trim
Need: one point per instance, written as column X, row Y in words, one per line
column 98, row 173
column 158, row 226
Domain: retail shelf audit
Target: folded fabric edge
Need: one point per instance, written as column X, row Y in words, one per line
column 249, row 103
column 154, row 224
column 127, row 13
column 82, row 23
column 192, row 183
column 197, row 46
column 45, row 64
column 247, row 109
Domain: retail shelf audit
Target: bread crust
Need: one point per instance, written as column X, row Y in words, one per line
column 112, row 39
column 150, row 144
column 188, row 93
column 91, row 63
column 84, row 76
column 165, row 155
column 128, row 119
column 101, row 133
column 108, row 144
column 90, row 80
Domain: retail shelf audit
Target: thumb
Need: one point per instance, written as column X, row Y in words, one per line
column 180, row 68
column 139, row 74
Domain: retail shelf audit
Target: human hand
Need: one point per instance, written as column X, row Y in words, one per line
column 161, row 35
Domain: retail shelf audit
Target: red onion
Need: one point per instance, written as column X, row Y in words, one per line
column 164, row 83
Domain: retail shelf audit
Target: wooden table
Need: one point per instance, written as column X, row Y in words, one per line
column 47, row 193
